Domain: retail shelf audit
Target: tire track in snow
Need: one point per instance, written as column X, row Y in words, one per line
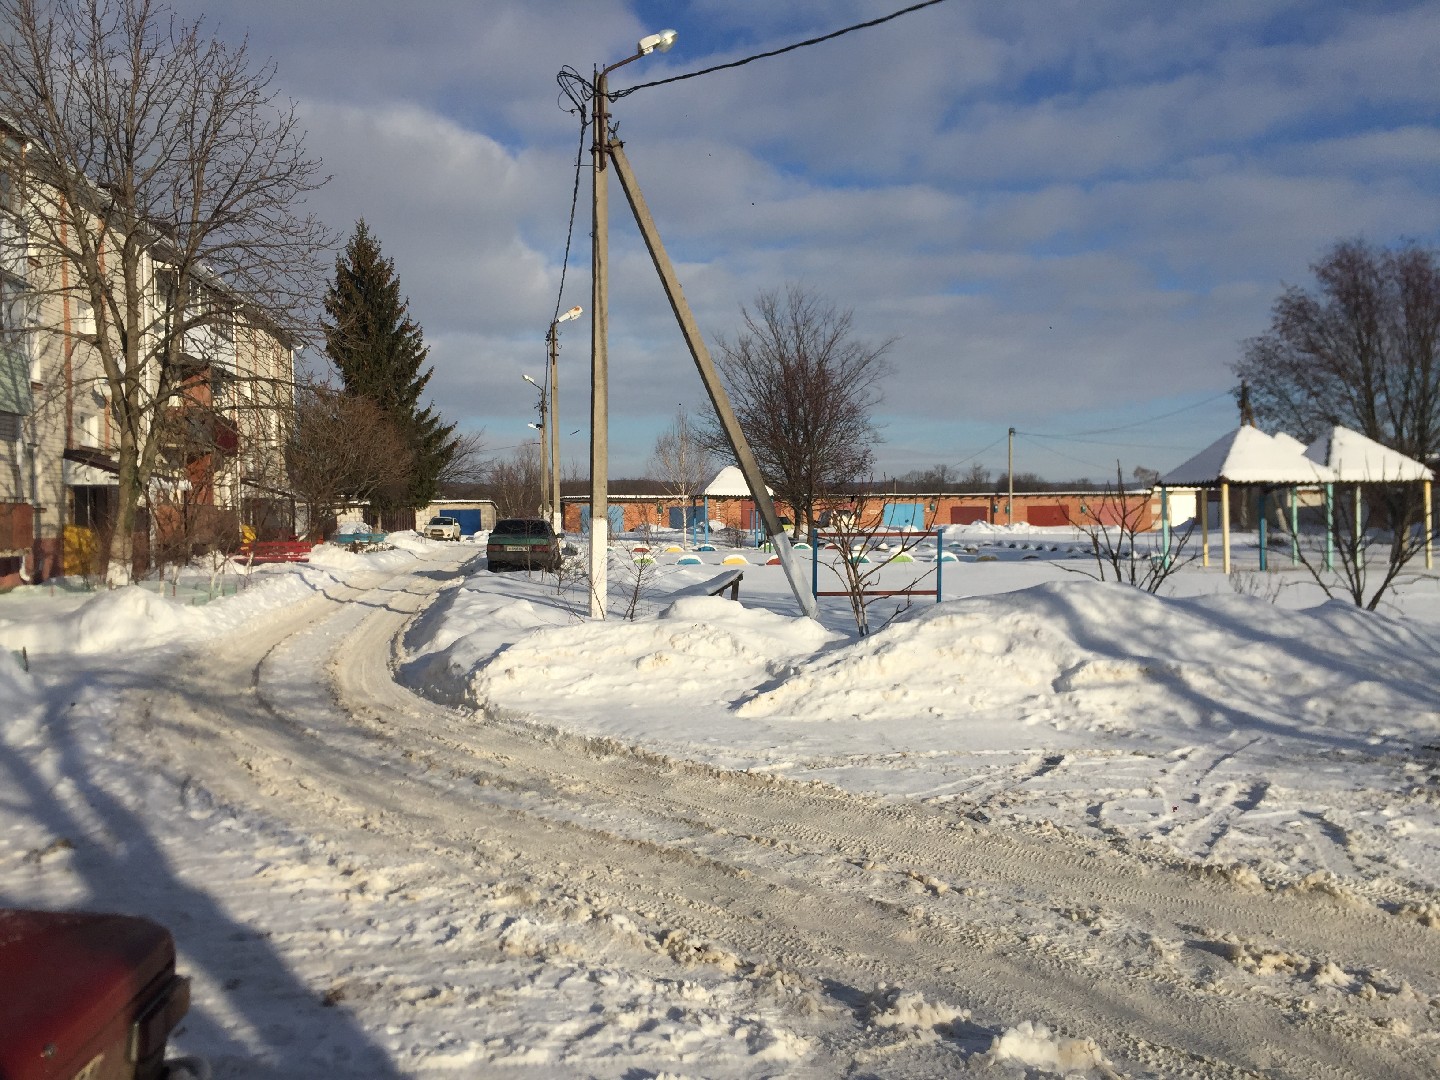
column 849, row 891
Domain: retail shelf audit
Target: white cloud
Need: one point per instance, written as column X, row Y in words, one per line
column 1053, row 207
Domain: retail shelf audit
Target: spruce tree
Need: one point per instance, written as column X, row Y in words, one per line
column 380, row 354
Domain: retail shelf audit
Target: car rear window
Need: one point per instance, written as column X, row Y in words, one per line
column 522, row 527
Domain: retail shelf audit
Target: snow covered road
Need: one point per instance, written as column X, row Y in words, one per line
column 468, row 893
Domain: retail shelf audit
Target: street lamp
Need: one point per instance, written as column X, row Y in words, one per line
column 544, row 450
column 600, row 151
column 552, row 344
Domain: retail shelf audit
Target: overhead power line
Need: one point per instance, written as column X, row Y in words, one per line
column 1080, row 436
column 581, row 91
column 575, row 88
column 617, row 94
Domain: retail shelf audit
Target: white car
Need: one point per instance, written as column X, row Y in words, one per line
column 443, row 528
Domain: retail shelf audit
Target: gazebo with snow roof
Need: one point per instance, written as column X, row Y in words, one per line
column 1247, row 456
column 1356, row 459
column 728, row 483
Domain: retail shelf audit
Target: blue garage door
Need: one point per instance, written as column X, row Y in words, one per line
column 616, row 514
column 686, row 516
column 469, row 520
column 904, row 515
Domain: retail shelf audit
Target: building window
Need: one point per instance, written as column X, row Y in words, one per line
column 9, row 427
column 7, row 191
column 14, row 358
column 90, row 430
column 89, row 506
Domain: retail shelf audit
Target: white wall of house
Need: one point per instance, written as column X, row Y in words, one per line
column 58, row 390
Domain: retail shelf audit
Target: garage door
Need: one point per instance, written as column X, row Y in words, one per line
column 616, row 514
column 904, row 515
column 469, row 520
column 1047, row 514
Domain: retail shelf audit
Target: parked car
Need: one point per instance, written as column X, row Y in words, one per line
column 523, row 544
column 443, row 528
column 87, row 995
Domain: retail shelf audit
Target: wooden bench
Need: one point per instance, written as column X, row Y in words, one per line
column 275, row 551
column 715, row 586
column 730, row 580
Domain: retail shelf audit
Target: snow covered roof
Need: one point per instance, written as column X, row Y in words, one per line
column 1248, row 456
column 729, row 483
column 1284, row 438
column 1357, row 459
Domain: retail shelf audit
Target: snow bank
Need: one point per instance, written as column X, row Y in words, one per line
column 699, row 651
column 109, row 621
column 1091, row 656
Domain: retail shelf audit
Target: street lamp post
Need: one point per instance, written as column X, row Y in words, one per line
column 544, row 449
column 552, row 342
column 599, row 317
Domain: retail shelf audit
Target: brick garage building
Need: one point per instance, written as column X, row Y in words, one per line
column 1078, row 509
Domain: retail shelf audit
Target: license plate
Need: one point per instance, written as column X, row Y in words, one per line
column 515, row 547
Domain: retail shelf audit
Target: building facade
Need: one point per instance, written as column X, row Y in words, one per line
column 737, row 514
column 219, row 416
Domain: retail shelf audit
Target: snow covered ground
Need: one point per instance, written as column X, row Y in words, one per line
column 1239, row 730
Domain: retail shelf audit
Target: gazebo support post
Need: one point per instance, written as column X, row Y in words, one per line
column 1329, row 527
column 1204, row 526
column 1359, row 527
column 1429, row 528
column 1225, row 526
column 1264, row 536
column 1164, row 528
column 1294, row 526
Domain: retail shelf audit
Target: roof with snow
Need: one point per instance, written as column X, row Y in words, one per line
column 729, row 483
column 1360, row 460
column 1248, row 456
column 1284, row 438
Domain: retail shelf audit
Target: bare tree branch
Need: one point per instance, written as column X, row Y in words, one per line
column 803, row 388
column 342, row 449
column 680, row 460
column 166, row 184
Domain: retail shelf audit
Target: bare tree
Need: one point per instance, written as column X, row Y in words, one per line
column 1124, row 550
column 166, row 183
column 342, row 449
column 466, row 464
column 803, row 388
column 937, row 478
column 515, row 481
column 681, row 462
column 863, row 546
column 1361, row 349
column 975, row 478
column 1360, row 553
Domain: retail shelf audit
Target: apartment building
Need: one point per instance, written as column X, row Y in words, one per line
column 218, row 413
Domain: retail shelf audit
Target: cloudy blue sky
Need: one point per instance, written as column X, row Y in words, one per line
column 1067, row 214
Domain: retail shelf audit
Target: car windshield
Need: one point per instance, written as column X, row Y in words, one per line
column 442, row 521
column 521, row 527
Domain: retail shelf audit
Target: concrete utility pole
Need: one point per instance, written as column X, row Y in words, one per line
column 552, row 343
column 599, row 358
column 604, row 151
column 599, row 325
column 543, row 430
column 1010, row 496
column 744, row 457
